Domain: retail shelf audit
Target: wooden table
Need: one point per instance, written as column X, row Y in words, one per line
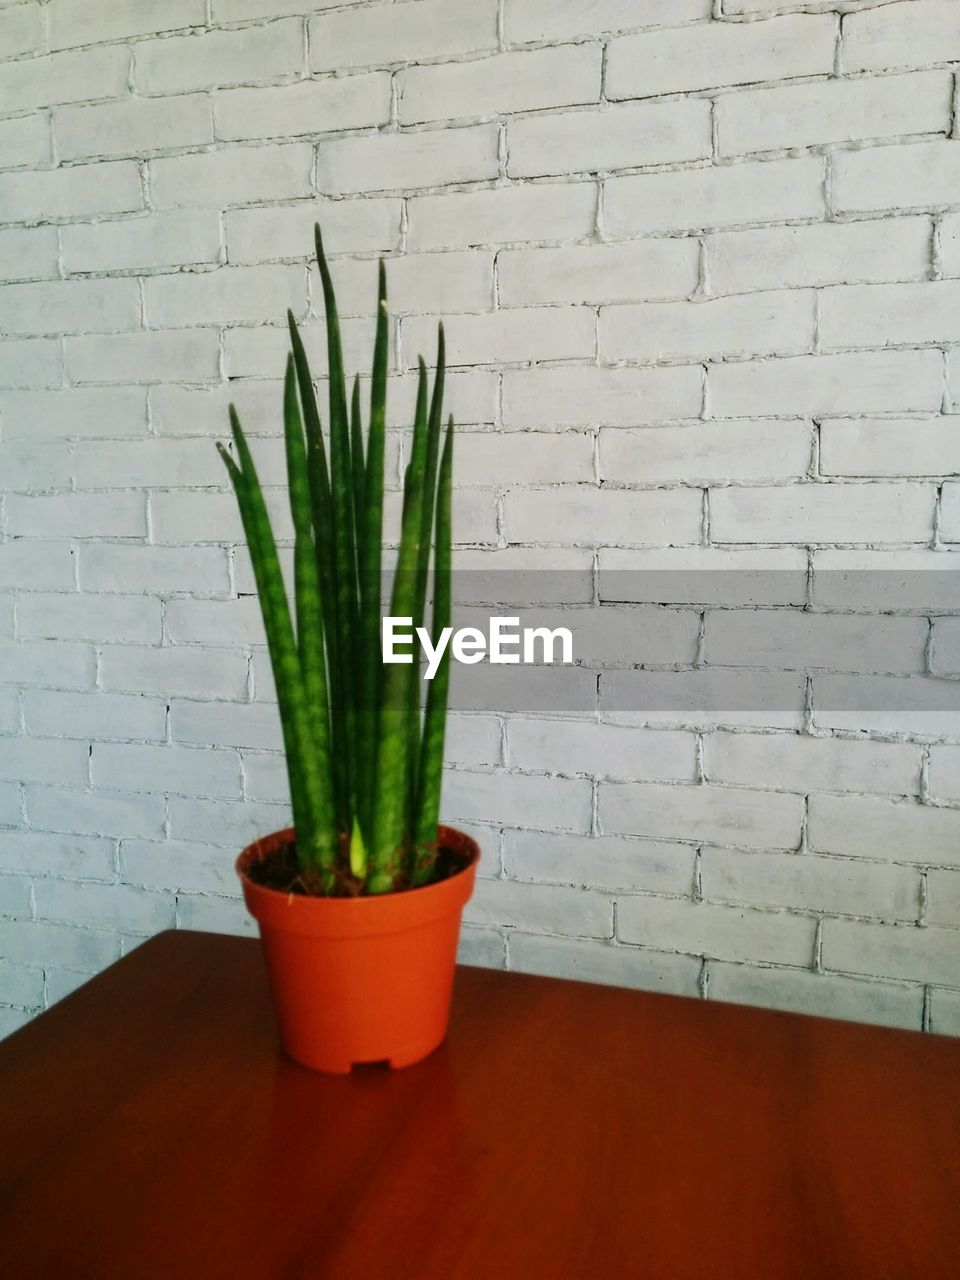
column 150, row 1129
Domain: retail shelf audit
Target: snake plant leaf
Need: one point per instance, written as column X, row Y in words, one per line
column 390, row 805
column 434, row 729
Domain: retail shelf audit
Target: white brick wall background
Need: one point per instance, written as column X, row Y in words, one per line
column 700, row 265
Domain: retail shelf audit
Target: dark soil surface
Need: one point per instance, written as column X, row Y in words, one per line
column 281, row 871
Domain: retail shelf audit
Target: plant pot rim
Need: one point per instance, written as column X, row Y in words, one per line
column 265, row 845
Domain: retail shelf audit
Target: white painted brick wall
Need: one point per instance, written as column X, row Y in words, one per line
column 698, row 263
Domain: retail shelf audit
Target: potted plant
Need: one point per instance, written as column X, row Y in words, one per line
column 359, row 902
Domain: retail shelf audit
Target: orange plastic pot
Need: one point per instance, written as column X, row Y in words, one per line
column 365, row 979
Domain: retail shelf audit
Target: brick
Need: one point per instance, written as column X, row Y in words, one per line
column 611, row 634
column 708, row 452
column 949, row 244
column 834, row 111
column 21, row 986
column 13, row 1019
column 820, row 994
column 229, row 295
column 867, row 827
column 28, row 254
column 387, row 161
column 94, row 715
column 886, row 704
column 78, row 515
column 806, row 882
column 213, row 58
column 115, row 905
column 876, row 315
column 10, row 816
column 534, row 80
column 63, row 77
column 920, row 175
column 704, row 575
column 34, row 362
column 21, row 30
column 529, row 20
column 201, row 570
column 190, row 516
column 133, row 128
column 473, row 740
column 39, row 943
column 33, row 415
column 793, row 762
column 26, row 759
column 703, row 699
column 944, row 773
column 349, row 226
column 714, row 54
column 823, row 513
column 308, row 107
column 943, row 899
column 265, row 777
column 780, row 323
column 226, row 724
column 502, row 215
column 484, row 948
column 186, row 771
column 261, row 352
column 69, row 306
column 602, row 862
column 722, row 815
column 573, row 747
column 945, row 655
column 75, row 192
column 216, row 622
column 590, row 396
column 176, row 864
column 90, row 813
column 945, row 1012
column 126, row 464
column 73, row 616
column 517, row 334
column 231, row 176
column 436, row 283
column 116, row 19
column 645, row 269
column 214, row 915
column 901, row 35
column 143, row 356
column 486, row 457
column 41, row 853
column 37, row 566
column 157, row 240
column 518, row 800
column 805, row 641
column 60, row 983
column 720, row 932
column 27, row 468
column 593, row 516
column 202, row 411
column 950, row 514
column 603, row 138
column 889, row 447
column 831, row 253
column 202, row 673
column 892, row 951
column 608, row 965
column 369, row 37
column 24, row 140
column 552, row 909
column 52, row 663
column 867, row 382
column 228, row 824
column 719, row 196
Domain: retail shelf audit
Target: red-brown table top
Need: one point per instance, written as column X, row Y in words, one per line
column 150, row 1128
